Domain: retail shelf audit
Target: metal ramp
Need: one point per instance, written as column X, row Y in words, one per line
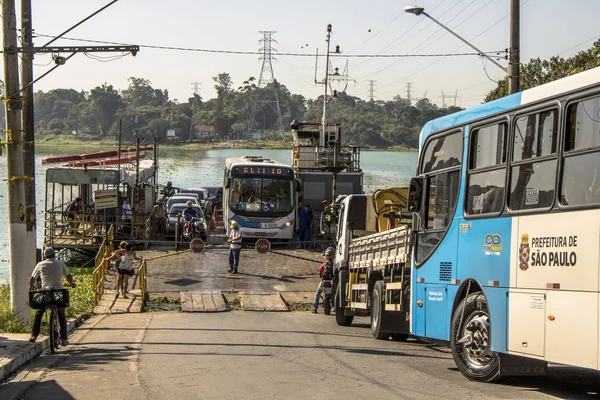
column 110, row 304
column 262, row 302
column 203, row 302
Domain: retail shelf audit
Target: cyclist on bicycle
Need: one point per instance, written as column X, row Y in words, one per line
column 50, row 271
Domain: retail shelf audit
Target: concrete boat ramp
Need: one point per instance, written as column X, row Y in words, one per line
column 283, row 279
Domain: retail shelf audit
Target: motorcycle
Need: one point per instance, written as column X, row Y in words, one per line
column 327, row 303
column 194, row 229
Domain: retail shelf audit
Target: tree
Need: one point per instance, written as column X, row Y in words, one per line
column 141, row 93
column 537, row 72
column 106, row 101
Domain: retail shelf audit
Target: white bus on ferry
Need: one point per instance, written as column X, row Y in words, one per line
column 260, row 194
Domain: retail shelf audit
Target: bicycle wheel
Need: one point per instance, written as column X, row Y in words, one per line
column 54, row 331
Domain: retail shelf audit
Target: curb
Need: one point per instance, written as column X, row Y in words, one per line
column 28, row 351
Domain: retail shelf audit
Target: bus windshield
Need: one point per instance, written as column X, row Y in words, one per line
column 261, row 196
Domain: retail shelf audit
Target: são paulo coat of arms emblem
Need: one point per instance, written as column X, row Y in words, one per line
column 524, row 253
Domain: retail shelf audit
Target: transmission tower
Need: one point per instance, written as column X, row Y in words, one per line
column 263, row 99
column 371, row 89
column 409, row 92
column 196, row 88
column 449, row 96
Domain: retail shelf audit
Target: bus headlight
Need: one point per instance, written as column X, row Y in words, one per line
column 288, row 224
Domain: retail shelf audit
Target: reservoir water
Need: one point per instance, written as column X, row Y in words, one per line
column 196, row 169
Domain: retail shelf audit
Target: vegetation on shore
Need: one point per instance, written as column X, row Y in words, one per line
column 81, row 298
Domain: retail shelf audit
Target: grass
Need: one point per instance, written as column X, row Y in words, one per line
column 82, row 302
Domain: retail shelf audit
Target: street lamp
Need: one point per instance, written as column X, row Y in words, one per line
column 420, row 10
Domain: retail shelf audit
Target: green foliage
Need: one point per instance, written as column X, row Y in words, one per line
column 537, row 72
column 82, row 302
column 146, row 111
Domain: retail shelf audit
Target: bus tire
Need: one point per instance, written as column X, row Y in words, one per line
column 470, row 340
column 377, row 308
column 399, row 337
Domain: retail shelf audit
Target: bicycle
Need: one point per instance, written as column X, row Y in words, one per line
column 50, row 299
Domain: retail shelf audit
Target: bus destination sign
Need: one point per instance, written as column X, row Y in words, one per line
column 247, row 171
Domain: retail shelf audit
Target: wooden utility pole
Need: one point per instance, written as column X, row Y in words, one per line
column 27, row 120
column 18, row 236
column 514, row 57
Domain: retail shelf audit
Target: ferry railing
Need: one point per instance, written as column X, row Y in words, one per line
column 101, row 266
column 88, row 228
column 323, row 157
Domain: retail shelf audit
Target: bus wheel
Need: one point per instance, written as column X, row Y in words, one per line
column 470, row 340
column 399, row 337
column 377, row 307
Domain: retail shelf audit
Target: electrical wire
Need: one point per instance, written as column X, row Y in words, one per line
column 484, row 64
column 105, row 59
column 577, row 45
column 423, row 41
column 234, row 52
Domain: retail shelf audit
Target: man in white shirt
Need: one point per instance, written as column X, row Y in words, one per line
column 126, row 216
column 50, row 271
column 235, row 238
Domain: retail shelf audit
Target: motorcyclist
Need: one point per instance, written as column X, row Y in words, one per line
column 189, row 213
column 326, row 274
column 168, row 190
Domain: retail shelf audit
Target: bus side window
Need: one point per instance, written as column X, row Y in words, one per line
column 534, row 163
column 487, row 169
column 580, row 180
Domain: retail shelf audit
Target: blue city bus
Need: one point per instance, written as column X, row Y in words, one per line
column 506, row 226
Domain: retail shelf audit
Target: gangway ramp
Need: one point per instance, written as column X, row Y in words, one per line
column 203, row 302
column 262, row 302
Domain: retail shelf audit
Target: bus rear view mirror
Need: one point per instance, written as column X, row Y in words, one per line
column 414, row 195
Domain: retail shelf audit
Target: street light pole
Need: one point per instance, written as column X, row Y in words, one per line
column 420, row 10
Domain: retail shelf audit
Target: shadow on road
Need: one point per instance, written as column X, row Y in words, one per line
column 46, row 389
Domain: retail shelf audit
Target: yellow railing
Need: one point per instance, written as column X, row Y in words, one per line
column 142, row 275
column 101, row 267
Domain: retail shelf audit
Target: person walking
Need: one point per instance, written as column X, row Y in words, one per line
column 157, row 222
column 128, row 257
column 235, row 240
column 50, row 271
column 305, row 217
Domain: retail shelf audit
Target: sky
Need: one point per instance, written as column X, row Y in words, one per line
column 375, row 28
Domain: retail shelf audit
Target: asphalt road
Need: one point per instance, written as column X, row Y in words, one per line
column 249, row 355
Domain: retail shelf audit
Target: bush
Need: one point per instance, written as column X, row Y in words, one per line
column 82, row 302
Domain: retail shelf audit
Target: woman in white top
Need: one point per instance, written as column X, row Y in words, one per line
column 128, row 258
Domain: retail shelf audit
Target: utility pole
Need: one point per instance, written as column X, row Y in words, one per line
column 18, row 236
column 514, row 56
column 28, row 257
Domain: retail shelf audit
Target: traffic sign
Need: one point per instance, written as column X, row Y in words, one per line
column 263, row 246
column 197, row 246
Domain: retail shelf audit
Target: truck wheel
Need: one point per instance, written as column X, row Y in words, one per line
column 340, row 318
column 470, row 340
column 377, row 307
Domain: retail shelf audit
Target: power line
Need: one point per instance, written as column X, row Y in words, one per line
column 235, row 52
column 584, row 42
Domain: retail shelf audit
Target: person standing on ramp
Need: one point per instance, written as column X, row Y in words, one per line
column 235, row 240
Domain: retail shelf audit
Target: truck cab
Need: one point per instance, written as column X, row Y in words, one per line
column 372, row 261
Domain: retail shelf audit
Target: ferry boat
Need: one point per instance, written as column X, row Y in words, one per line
column 102, row 181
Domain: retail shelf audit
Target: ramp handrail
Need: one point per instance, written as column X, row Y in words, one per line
column 101, row 266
